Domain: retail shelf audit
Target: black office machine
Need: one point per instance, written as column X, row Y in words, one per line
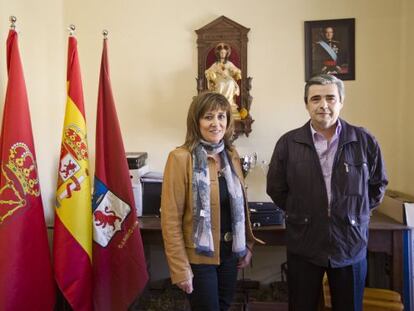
column 136, row 160
column 265, row 214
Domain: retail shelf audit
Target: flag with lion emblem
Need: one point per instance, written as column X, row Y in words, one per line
column 120, row 272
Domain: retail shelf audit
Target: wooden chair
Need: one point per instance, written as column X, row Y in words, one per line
column 375, row 299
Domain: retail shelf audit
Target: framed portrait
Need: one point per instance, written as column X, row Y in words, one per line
column 330, row 48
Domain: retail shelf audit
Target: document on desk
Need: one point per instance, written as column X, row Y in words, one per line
column 393, row 207
column 409, row 214
column 409, row 258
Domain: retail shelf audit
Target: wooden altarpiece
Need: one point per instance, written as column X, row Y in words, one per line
column 224, row 30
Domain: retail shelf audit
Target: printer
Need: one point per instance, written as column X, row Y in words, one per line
column 146, row 184
column 151, row 193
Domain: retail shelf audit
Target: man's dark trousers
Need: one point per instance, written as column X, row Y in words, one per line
column 305, row 285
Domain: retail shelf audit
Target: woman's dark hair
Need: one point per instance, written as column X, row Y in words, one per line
column 202, row 103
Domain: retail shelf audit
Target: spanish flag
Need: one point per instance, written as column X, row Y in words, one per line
column 26, row 278
column 73, row 212
column 120, row 272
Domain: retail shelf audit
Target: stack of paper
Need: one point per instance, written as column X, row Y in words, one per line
column 409, row 214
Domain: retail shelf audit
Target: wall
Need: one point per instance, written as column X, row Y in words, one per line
column 153, row 60
column 153, row 57
column 152, row 50
column 405, row 151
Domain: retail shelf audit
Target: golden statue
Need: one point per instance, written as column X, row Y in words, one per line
column 222, row 77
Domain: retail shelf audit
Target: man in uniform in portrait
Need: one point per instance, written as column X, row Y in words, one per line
column 327, row 54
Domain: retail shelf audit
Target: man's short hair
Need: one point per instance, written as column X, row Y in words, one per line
column 325, row 79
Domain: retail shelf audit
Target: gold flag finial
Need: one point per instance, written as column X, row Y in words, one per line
column 12, row 20
column 72, row 29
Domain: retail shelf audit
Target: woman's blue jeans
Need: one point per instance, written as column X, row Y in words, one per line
column 214, row 286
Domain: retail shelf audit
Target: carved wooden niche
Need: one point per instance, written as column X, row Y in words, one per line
column 223, row 33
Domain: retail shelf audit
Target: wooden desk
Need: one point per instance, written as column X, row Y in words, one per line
column 385, row 235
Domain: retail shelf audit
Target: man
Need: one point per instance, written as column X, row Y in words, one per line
column 327, row 176
column 327, row 54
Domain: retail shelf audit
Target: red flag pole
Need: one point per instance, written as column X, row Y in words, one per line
column 26, row 279
column 120, row 272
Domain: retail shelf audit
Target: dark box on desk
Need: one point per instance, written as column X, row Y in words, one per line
column 151, row 198
column 136, row 160
column 265, row 214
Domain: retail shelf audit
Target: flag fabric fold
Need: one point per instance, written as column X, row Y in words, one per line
column 26, row 278
column 72, row 244
column 119, row 269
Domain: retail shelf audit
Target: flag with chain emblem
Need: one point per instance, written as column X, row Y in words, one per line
column 26, row 278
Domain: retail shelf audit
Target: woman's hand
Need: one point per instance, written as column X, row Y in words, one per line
column 245, row 261
column 186, row 286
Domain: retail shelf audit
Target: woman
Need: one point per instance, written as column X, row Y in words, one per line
column 222, row 77
column 205, row 223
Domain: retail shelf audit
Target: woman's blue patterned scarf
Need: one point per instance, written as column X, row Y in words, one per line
column 203, row 238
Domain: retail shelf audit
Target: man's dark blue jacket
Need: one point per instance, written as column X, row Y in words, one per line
column 322, row 234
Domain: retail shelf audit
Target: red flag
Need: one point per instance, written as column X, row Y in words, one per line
column 26, row 278
column 72, row 243
column 119, row 267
